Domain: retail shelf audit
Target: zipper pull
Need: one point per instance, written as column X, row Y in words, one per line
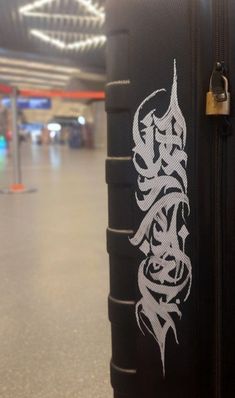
column 218, row 97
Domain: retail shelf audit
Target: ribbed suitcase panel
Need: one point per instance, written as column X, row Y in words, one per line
column 158, row 63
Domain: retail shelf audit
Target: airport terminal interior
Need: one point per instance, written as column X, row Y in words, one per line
column 54, row 283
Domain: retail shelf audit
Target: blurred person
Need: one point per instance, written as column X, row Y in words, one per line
column 45, row 136
column 75, row 138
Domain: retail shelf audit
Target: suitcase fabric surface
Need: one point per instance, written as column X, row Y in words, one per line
column 171, row 186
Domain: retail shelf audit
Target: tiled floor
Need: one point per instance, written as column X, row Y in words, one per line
column 54, row 331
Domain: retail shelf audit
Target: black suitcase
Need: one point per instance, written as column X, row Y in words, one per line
column 171, row 185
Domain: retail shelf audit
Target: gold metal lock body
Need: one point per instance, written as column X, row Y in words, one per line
column 215, row 107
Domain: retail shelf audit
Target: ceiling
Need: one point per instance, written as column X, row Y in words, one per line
column 51, row 43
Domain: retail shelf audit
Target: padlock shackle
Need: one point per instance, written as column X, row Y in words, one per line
column 219, row 86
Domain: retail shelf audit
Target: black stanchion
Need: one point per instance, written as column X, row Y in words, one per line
column 17, row 186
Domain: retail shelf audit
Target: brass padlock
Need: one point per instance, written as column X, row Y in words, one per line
column 215, row 107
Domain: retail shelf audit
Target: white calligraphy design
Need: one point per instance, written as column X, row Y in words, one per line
column 165, row 274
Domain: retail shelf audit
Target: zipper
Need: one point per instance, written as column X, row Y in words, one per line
column 218, row 256
column 219, row 90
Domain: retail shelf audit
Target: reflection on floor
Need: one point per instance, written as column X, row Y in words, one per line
column 54, row 331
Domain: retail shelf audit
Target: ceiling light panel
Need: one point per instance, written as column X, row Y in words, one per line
column 38, row 65
column 33, row 6
column 94, row 19
column 92, row 8
column 66, row 35
column 11, row 78
column 31, row 9
column 84, row 44
column 46, row 38
column 94, row 42
column 51, row 76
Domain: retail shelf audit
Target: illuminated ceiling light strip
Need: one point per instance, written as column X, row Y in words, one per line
column 44, row 37
column 28, row 9
column 39, row 65
column 83, row 44
column 78, row 35
column 78, row 45
column 92, row 8
column 11, row 78
column 32, row 6
column 34, row 73
column 63, row 16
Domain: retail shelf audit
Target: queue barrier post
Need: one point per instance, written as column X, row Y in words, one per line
column 17, row 186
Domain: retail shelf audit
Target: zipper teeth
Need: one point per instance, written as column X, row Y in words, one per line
column 219, row 57
column 218, row 256
column 220, row 30
column 217, row 31
column 220, row 13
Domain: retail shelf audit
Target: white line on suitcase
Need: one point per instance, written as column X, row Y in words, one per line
column 118, row 83
column 121, row 231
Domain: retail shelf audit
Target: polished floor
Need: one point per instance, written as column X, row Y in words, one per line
column 54, row 330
